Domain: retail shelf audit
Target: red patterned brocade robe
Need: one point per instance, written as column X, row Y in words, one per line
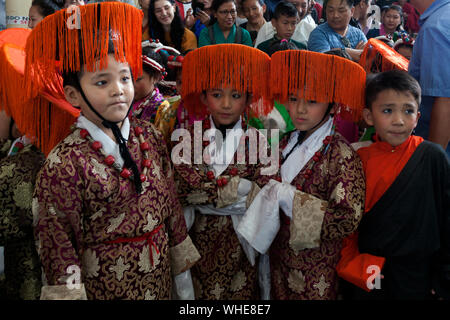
column 89, row 218
column 224, row 271
column 337, row 179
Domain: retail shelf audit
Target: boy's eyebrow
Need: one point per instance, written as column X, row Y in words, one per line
column 394, row 104
column 104, row 74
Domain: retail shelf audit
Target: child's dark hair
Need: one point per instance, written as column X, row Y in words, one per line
column 397, row 80
column 149, row 52
column 284, row 8
column 281, row 45
column 46, row 7
column 176, row 27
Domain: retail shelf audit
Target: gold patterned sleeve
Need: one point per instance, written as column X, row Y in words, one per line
column 346, row 189
column 183, row 256
column 57, row 209
column 165, row 119
column 307, row 218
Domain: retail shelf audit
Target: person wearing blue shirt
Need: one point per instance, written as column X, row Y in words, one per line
column 429, row 65
column 225, row 29
column 337, row 32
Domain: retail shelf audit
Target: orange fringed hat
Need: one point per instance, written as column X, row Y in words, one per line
column 320, row 77
column 240, row 67
column 80, row 36
column 66, row 41
column 18, row 106
column 16, row 36
column 377, row 56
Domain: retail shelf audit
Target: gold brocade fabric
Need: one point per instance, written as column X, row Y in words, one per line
column 22, row 278
column 299, row 273
column 81, row 205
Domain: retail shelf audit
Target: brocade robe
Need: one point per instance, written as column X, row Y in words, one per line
column 89, row 218
column 17, row 179
column 337, row 181
column 224, row 271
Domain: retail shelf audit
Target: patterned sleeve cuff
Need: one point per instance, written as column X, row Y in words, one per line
column 62, row 292
column 183, row 256
column 307, row 218
column 228, row 194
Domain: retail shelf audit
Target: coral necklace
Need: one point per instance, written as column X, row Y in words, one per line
column 111, row 161
column 307, row 173
column 221, row 181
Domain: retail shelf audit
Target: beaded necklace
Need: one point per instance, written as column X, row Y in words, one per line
column 221, row 180
column 307, row 173
column 111, row 161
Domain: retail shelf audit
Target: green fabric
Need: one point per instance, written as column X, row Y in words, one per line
column 287, row 118
column 368, row 133
column 258, row 123
column 204, row 40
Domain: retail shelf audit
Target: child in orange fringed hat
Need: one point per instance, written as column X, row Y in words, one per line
column 20, row 161
column 217, row 171
column 378, row 57
column 107, row 220
column 317, row 198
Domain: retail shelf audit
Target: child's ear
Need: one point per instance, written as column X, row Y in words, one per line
column 367, row 116
column 72, row 96
column 418, row 117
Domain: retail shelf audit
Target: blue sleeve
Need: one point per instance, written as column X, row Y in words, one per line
column 204, row 40
column 318, row 42
column 434, row 73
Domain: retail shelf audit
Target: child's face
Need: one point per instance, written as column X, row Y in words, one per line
column 144, row 85
column 110, row 92
column 305, row 115
column 394, row 116
column 225, row 105
column 285, row 26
